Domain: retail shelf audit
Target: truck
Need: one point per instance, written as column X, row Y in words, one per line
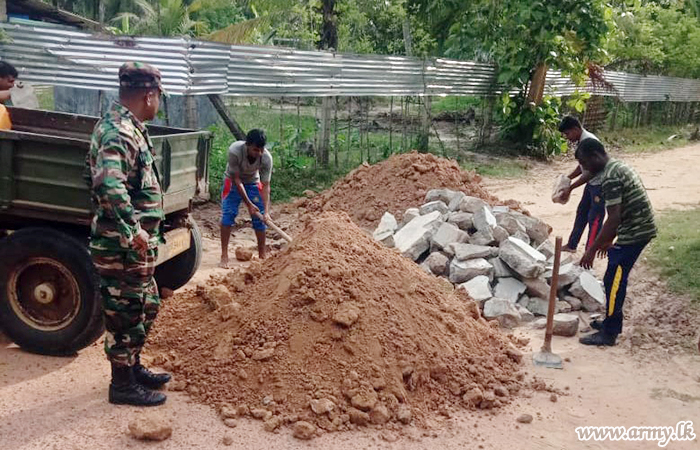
column 50, row 300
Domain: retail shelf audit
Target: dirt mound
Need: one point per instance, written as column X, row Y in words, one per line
column 394, row 185
column 336, row 331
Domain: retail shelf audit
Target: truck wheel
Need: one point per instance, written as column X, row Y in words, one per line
column 175, row 273
column 49, row 292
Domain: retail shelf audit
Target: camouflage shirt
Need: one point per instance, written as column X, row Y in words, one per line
column 124, row 181
column 622, row 186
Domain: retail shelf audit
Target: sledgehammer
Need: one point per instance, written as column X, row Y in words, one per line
column 274, row 226
column 545, row 357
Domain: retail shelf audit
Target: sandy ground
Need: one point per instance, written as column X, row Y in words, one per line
column 60, row 403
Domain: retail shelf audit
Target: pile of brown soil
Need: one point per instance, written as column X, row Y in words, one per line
column 336, row 331
column 394, row 185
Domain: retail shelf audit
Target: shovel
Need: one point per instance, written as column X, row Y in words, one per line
column 274, row 226
column 545, row 357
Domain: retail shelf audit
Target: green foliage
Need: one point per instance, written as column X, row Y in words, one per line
column 535, row 127
column 161, row 18
column 676, row 251
column 657, row 38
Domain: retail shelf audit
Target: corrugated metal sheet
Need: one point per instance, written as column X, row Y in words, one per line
column 75, row 59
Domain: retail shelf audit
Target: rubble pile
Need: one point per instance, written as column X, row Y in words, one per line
column 501, row 257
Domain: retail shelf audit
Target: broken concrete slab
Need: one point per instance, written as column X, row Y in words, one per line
column 437, row 263
column 523, row 301
column 568, row 274
column 483, row 237
column 385, row 230
column 502, row 310
column 463, row 252
column 500, row 209
column 500, row 269
column 562, row 307
column 588, row 289
column 500, row 234
column 536, row 228
column 462, row 271
column 523, row 259
column 537, row 287
column 565, row 325
column 456, row 201
column 511, row 224
column 546, row 248
column 478, row 288
column 484, row 219
column 447, row 234
column 509, row 289
column 525, row 315
column 414, row 238
column 471, row 204
column 538, row 306
column 443, row 195
column 523, row 237
column 433, row 206
column 409, row 215
column 463, row 220
column 575, row 303
column 540, row 324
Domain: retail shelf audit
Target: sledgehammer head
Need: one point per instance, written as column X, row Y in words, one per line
column 547, row 359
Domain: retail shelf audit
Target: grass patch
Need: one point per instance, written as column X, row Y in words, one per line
column 676, row 251
column 498, row 168
column 648, row 139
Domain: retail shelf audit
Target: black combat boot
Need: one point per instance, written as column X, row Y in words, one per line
column 601, row 338
column 148, row 379
column 124, row 390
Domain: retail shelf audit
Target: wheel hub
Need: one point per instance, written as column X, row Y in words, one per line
column 44, row 293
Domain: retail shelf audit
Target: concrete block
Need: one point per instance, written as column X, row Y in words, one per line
column 447, row 234
column 565, row 325
column 478, row 288
column 471, row 204
column 463, row 220
column 437, row 263
column 414, row 238
column 502, row 310
column 588, row 289
column 463, row 252
column 484, row 219
column 462, row 271
column 433, row 206
column 509, row 289
column 523, row 259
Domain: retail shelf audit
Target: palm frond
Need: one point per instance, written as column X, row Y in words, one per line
column 241, row 32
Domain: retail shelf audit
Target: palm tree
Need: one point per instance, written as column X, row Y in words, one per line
column 164, row 18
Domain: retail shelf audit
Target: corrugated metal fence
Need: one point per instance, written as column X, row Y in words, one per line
column 75, row 59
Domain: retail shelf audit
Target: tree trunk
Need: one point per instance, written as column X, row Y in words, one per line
column 329, row 29
column 407, row 38
column 539, row 78
column 230, row 122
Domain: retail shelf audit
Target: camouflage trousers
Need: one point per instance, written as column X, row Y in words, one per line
column 130, row 299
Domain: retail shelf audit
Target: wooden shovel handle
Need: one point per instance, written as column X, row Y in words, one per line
column 547, row 346
column 274, row 226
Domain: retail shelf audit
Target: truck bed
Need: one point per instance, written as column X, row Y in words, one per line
column 42, row 162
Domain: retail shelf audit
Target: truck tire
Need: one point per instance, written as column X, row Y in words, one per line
column 49, row 292
column 176, row 272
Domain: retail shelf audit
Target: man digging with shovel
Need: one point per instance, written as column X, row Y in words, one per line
column 630, row 220
column 247, row 180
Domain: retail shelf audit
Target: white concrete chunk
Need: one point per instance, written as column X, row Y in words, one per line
column 546, row 248
column 443, row 195
column 500, row 269
column 462, row 271
column 483, row 237
column 575, row 303
column 471, row 204
column 525, row 260
column 437, row 263
column 504, row 311
column 523, row 237
column 500, row 234
column 463, row 252
column 433, row 206
column 525, row 315
column 484, row 219
column 447, row 234
column 537, row 287
column 409, row 215
column 568, row 274
column 511, row 224
column 414, row 238
column 478, row 288
column 538, row 306
column 509, row 289
column 386, row 228
column 456, row 201
column 462, row 220
column 565, row 325
column 588, row 289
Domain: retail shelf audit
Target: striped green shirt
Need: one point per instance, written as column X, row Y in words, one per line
column 622, row 186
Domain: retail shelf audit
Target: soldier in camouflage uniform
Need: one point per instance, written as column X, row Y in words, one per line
column 125, row 231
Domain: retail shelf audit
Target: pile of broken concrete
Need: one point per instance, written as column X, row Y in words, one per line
column 502, row 258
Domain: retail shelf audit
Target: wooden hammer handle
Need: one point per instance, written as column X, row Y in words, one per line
column 547, row 346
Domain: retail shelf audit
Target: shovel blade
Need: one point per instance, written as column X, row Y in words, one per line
column 547, row 359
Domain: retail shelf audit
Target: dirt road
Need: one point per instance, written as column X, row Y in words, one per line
column 60, row 403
